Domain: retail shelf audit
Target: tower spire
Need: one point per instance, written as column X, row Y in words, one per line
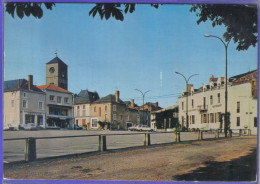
column 56, row 53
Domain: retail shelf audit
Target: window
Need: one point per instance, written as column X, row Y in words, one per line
column 211, row 117
column 83, row 106
column 255, row 121
column 12, row 103
column 138, row 118
column 238, row 107
column 29, row 118
column 66, row 100
column 105, row 108
column 204, row 102
column 238, row 121
column 204, row 118
column 51, row 98
column 182, row 105
column 94, row 123
column 105, row 117
column 192, row 119
column 58, row 99
column 99, row 111
column 121, row 117
column 211, row 99
column 192, row 103
column 24, row 94
column 39, row 120
column 40, row 105
column 114, row 116
column 95, row 109
column 114, row 107
column 218, row 97
column 24, row 104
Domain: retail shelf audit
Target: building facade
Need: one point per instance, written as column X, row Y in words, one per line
column 82, row 103
column 24, row 104
column 166, row 118
column 58, row 106
column 110, row 112
column 206, row 105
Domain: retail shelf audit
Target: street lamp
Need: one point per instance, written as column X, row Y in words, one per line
column 143, row 94
column 187, row 82
column 226, row 47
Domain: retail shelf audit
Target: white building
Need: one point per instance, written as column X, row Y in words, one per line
column 24, row 104
column 205, row 105
column 82, row 103
column 58, row 106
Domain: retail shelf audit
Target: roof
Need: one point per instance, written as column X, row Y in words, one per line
column 52, row 87
column 12, row 85
column 86, row 96
column 56, row 60
column 109, row 98
column 167, row 108
column 242, row 75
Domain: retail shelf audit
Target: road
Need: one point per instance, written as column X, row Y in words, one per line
column 229, row 159
column 14, row 150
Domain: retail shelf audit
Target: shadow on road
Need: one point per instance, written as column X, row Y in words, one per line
column 241, row 169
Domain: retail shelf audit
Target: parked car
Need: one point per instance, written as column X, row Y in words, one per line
column 134, row 128
column 28, row 126
column 76, row 127
column 145, row 128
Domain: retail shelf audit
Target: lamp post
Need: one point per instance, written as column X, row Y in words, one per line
column 226, row 97
column 187, row 82
column 143, row 94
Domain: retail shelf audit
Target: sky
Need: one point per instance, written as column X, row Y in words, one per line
column 143, row 52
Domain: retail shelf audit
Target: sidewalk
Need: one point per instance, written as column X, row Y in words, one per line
column 231, row 159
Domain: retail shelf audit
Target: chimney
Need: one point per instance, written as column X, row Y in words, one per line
column 18, row 81
column 30, row 82
column 132, row 103
column 189, row 86
column 117, row 96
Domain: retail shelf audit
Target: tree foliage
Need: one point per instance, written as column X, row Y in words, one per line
column 115, row 10
column 27, row 9
column 240, row 21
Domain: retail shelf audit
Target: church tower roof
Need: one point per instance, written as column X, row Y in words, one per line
column 56, row 60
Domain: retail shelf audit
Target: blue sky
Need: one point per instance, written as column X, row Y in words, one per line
column 142, row 52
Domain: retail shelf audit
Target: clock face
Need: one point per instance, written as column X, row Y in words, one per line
column 51, row 70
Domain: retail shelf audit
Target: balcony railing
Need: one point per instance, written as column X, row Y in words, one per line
column 202, row 107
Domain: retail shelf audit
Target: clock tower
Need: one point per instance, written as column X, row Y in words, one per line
column 57, row 73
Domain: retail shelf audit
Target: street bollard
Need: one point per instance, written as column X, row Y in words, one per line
column 102, row 143
column 229, row 133
column 147, row 140
column 249, row 132
column 30, row 149
column 216, row 134
column 200, row 135
column 240, row 132
column 177, row 137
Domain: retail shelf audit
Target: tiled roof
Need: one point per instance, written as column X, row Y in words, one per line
column 109, row 98
column 12, row 85
column 86, row 96
column 52, row 87
column 56, row 60
column 242, row 75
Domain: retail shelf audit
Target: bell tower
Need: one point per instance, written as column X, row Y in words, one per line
column 57, row 73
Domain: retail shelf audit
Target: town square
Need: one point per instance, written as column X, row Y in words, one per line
column 130, row 92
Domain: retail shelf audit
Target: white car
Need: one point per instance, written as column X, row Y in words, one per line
column 134, row 128
column 145, row 128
